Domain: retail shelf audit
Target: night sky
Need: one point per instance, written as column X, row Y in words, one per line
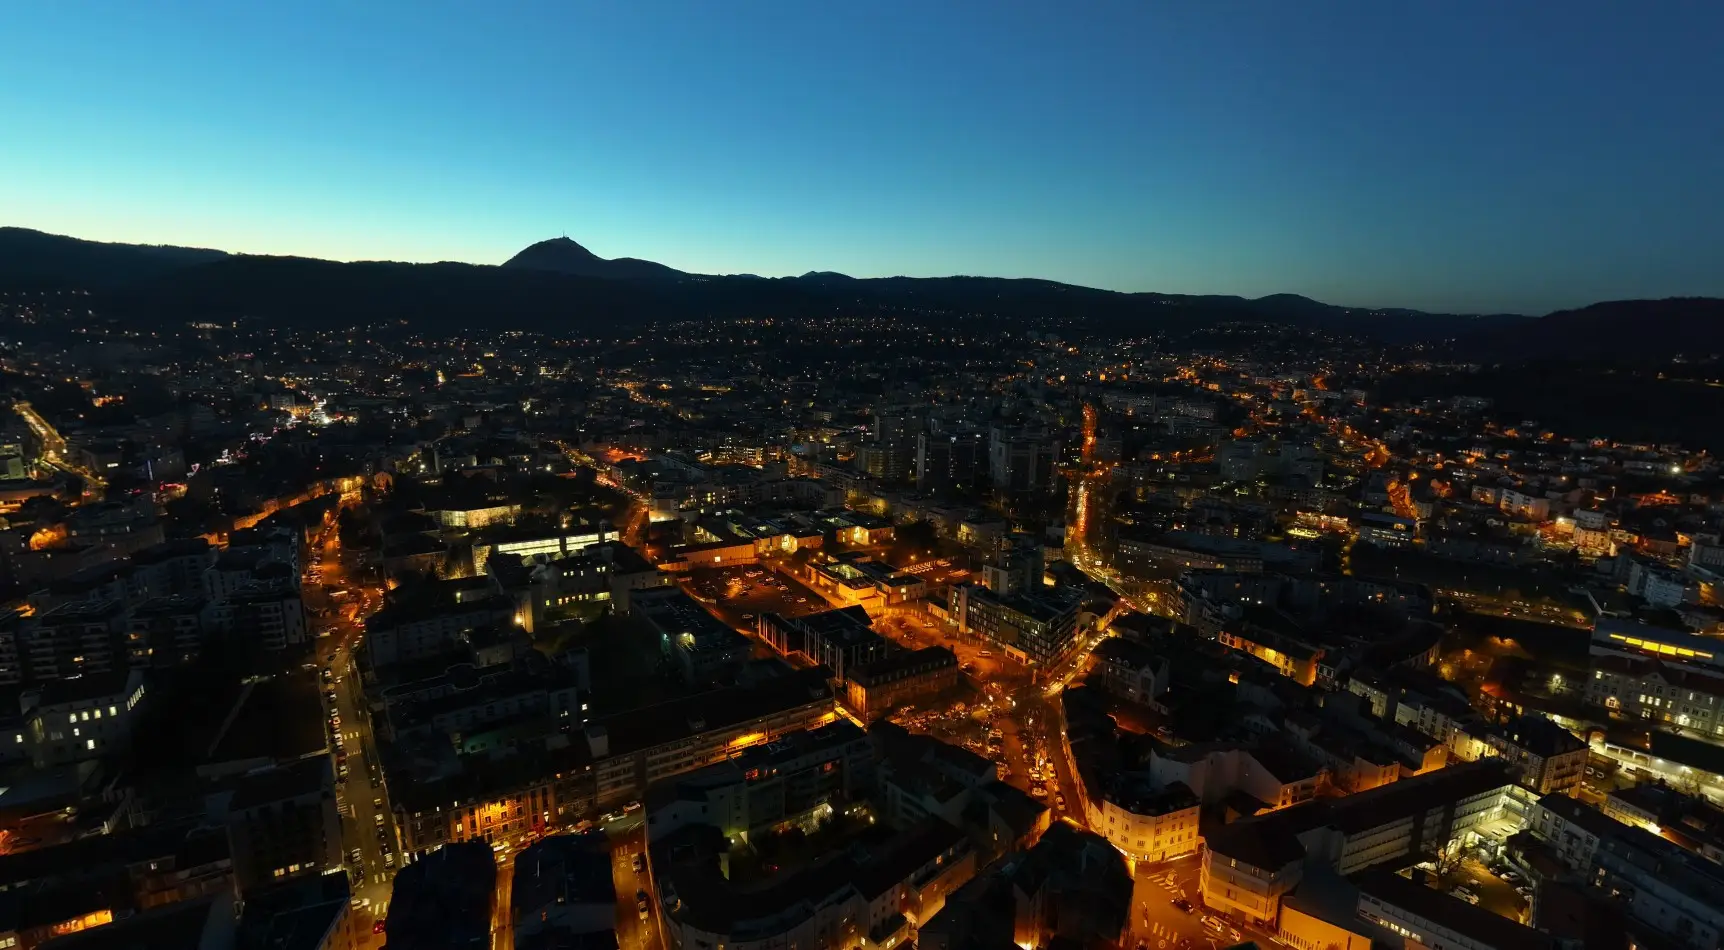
column 1457, row 155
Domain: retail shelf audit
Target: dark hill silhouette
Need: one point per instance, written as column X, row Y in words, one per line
column 560, row 285
column 563, row 256
column 1616, row 330
column 309, row 292
column 35, row 260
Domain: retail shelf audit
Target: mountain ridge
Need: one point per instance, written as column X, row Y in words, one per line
column 564, row 256
column 559, row 281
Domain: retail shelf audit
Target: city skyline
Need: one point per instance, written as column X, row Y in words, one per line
column 1505, row 161
column 671, row 476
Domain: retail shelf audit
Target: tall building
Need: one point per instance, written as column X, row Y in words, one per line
column 282, row 823
column 948, row 460
column 1016, row 567
column 1037, row 628
column 1022, row 462
column 890, row 455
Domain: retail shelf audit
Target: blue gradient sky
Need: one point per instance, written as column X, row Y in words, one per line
column 1462, row 155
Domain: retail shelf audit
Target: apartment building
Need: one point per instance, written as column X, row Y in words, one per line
column 805, row 774
column 1036, row 629
column 1251, row 864
column 1544, row 756
column 66, row 721
column 1144, row 821
column 905, row 676
column 632, row 750
column 1658, row 883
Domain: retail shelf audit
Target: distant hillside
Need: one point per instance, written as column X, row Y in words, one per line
column 447, row 296
column 563, row 256
column 560, row 284
column 1605, row 399
column 1617, row 330
column 32, row 260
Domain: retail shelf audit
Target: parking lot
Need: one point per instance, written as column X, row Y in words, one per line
column 1167, row 911
column 739, row 595
column 1497, row 888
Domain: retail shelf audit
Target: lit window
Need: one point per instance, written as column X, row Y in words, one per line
column 89, row 743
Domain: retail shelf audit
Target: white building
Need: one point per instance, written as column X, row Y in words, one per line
column 1251, row 864
column 85, row 718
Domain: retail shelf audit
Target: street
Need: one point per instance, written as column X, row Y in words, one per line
column 502, row 913
column 633, row 933
column 367, row 827
column 1158, row 923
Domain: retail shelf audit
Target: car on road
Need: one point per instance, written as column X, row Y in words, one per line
column 641, row 904
column 1182, row 904
column 354, row 856
column 377, row 818
column 639, row 862
column 1214, row 925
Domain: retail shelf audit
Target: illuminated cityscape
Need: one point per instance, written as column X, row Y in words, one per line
column 1313, row 536
column 680, row 637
